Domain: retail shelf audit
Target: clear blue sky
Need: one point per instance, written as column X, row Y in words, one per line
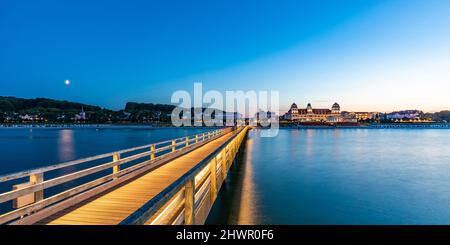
column 364, row 54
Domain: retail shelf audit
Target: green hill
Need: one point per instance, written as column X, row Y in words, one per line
column 13, row 104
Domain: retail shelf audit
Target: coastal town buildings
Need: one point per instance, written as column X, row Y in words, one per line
column 81, row 116
column 324, row 115
column 361, row 116
column 406, row 114
column 264, row 117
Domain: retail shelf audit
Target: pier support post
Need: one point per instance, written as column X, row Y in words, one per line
column 213, row 175
column 189, row 194
column 230, row 155
column 236, row 148
column 116, row 168
column 224, row 165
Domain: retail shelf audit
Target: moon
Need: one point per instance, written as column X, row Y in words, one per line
column 67, row 82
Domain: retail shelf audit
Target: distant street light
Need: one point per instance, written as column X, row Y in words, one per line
column 67, row 82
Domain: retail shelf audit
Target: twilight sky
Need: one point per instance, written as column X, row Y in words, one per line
column 364, row 54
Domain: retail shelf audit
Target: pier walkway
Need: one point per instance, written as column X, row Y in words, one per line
column 171, row 182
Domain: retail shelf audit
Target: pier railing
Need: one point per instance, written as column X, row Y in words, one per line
column 28, row 197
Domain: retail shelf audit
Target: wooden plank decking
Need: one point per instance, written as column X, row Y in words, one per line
column 114, row 206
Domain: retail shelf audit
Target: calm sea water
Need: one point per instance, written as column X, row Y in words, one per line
column 341, row 176
column 23, row 148
column 315, row 176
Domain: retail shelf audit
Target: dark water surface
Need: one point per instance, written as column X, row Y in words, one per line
column 314, row 176
column 24, row 148
column 341, row 176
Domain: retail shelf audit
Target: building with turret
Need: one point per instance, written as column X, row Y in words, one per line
column 310, row 114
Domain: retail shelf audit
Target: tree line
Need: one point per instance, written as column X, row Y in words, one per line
column 13, row 109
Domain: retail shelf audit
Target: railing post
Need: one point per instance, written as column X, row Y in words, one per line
column 213, row 175
column 152, row 152
column 189, row 194
column 187, row 141
column 36, row 179
column 231, row 154
column 116, row 168
column 196, row 138
column 173, row 145
column 203, row 136
column 228, row 156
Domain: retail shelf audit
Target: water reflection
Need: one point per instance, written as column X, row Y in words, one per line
column 238, row 202
column 309, row 142
column 248, row 200
column 66, row 145
column 342, row 176
column 336, row 142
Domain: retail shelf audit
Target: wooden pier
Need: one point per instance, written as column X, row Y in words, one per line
column 170, row 182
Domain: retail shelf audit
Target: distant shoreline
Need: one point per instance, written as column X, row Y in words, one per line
column 156, row 126
column 92, row 126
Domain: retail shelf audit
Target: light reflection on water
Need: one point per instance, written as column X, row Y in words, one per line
column 66, row 147
column 248, row 199
column 24, row 148
column 339, row 176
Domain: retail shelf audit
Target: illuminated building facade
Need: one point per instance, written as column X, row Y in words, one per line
column 310, row 114
column 361, row 116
